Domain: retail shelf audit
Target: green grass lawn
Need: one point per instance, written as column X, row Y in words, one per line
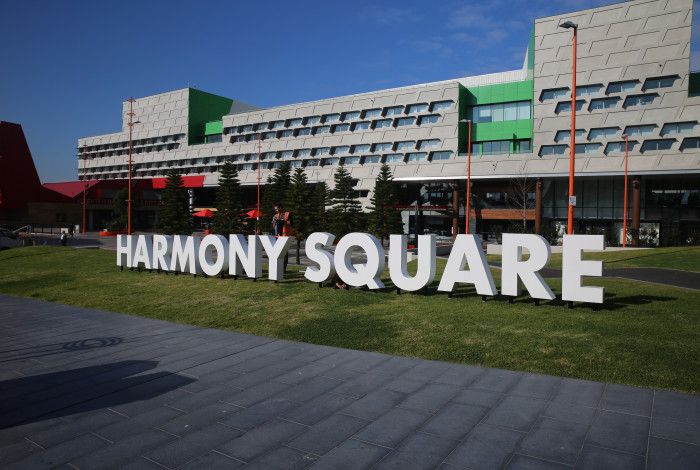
column 685, row 258
column 644, row 334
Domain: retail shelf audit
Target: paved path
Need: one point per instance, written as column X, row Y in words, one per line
column 102, row 390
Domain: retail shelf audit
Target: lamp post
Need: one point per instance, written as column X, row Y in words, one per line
column 572, row 197
column 85, row 188
column 624, row 204
column 257, row 208
column 131, row 126
column 469, row 173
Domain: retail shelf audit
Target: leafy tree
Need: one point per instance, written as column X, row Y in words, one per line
column 319, row 201
column 227, row 218
column 175, row 218
column 384, row 218
column 299, row 203
column 345, row 215
column 120, row 207
column 276, row 189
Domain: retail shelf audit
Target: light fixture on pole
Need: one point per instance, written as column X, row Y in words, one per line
column 624, row 204
column 257, row 208
column 469, row 173
column 83, row 228
column 572, row 197
column 131, row 126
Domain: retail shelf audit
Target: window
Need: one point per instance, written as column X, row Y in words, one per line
column 431, row 119
column 322, row 130
column 441, row 106
column 393, row 111
column 565, row 136
column 522, row 146
column 246, row 128
column 287, row 133
column 248, row 166
column 657, row 144
column 330, row 161
column 639, row 100
column 622, row 87
column 372, row 113
column 407, row 121
column 372, row 159
column 351, row 161
column 268, row 156
column 209, row 139
column 381, row 123
column 360, row 126
column 406, row 145
column 565, row 106
column 675, row 128
column 311, row 120
column 351, row 115
column 382, row 147
column 276, row 124
column 602, row 133
column 603, row 103
column 294, row 122
column 553, row 149
column 303, row 131
column 491, row 147
column 618, row 147
column 329, row 118
column 311, row 162
column 362, row 148
column 341, row 149
column 436, row 156
column 587, row 148
column 341, row 128
column 428, row 144
column 640, row 130
column 261, row 127
column 416, row 156
column 659, row 82
column 554, row 94
column 322, row 151
column 394, row 158
column 287, row 154
column 295, row 164
column 588, row 90
column 690, row 143
column 269, row 135
column 501, row 112
column 304, row 153
column 417, row 108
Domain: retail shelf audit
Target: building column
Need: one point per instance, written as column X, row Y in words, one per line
column 455, row 209
column 636, row 209
column 538, row 206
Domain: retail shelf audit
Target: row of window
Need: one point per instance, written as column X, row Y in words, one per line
column 619, row 147
column 624, row 86
column 495, row 147
column 135, row 150
column 607, row 103
column 599, row 133
column 135, row 143
column 500, row 112
column 332, row 118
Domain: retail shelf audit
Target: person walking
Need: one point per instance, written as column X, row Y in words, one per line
column 282, row 226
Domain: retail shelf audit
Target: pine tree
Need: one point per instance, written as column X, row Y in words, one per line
column 320, row 199
column 345, row 215
column 175, row 218
column 227, row 219
column 119, row 210
column 384, row 218
column 275, row 190
column 299, row 203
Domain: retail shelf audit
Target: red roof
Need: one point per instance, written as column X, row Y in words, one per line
column 71, row 188
column 189, row 182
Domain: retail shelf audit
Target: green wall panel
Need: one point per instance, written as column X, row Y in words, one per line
column 213, row 127
column 498, row 93
column 505, row 130
column 203, row 108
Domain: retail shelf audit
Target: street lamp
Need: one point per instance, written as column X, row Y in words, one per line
column 469, row 172
column 624, row 204
column 85, row 188
column 131, row 146
column 572, row 197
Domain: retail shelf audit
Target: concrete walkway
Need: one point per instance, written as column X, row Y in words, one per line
column 88, row 389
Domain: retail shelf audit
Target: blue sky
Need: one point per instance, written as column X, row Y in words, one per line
column 67, row 66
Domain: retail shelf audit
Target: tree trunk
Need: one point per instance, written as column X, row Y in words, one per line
column 298, row 251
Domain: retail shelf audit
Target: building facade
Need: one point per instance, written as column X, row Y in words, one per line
column 633, row 78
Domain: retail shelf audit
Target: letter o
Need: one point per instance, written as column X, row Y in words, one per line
column 210, row 245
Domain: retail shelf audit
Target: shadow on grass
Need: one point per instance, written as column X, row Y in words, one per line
column 648, row 255
column 38, row 282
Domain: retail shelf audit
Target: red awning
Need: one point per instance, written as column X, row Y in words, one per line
column 188, row 182
column 71, row 188
column 254, row 214
column 204, row 213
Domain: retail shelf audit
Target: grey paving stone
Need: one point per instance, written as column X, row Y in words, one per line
column 198, row 419
column 123, row 452
column 555, row 440
column 70, row 429
column 487, row 447
column 404, row 385
column 665, row 454
column 256, row 393
column 570, row 412
column 61, row 453
column 459, row 375
column 325, row 435
column 362, row 384
column 315, row 410
column 395, row 366
column 496, row 380
column 213, row 461
column 426, row 370
column 374, row 404
column 516, row 412
column 392, row 427
column 625, row 399
column 309, row 389
column 261, row 439
column 259, row 413
column 580, row 392
column 677, row 407
column 351, row 455
column 597, row 458
column 454, row 421
column 366, row 362
column 130, row 425
column 141, row 463
column 483, row 398
column 620, row 431
column 283, row 458
column 302, row 373
column 675, row 430
column 419, row 451
column 17, row 451
column 430, row 398
column 523, row 462
column 536, row 386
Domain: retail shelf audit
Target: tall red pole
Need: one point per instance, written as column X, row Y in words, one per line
column 624, row 205
column 469, row 174
column 131, row 125
column 85, row 186
column 570, row 222
column 257, row 214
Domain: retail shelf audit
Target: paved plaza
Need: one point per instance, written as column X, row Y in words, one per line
column 87, row 389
